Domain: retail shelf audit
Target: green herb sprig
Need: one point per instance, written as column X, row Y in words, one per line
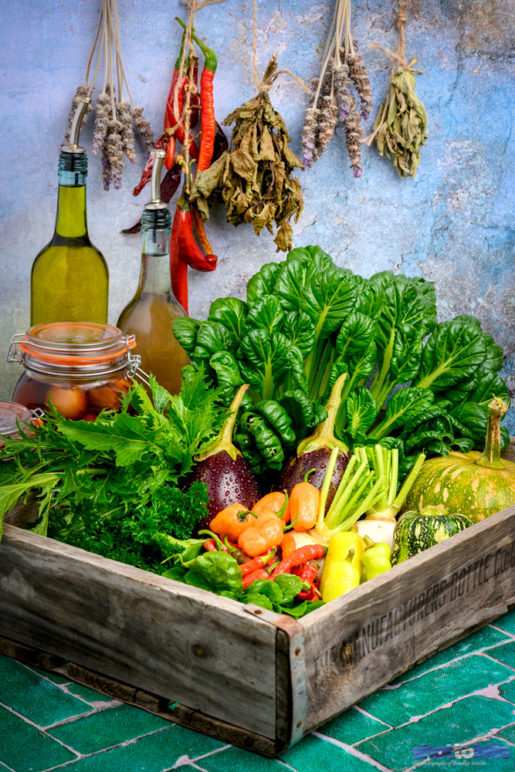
column 111, row 486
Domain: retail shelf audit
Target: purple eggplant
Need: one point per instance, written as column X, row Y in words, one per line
column 314, row 452
column 223, row 469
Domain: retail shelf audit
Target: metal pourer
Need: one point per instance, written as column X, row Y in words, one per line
column 82, row 103
column 155, row 182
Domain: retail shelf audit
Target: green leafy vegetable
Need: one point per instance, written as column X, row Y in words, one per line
column 307, row 321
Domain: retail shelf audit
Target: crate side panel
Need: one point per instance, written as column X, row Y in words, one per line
column 363, row 640
column 162, row 636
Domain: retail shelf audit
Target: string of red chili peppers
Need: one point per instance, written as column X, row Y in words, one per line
column 189, row 245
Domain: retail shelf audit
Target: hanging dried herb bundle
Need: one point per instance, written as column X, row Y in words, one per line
column 343, row 74
column 115, row 119
column 253, row 178
column 400, row 128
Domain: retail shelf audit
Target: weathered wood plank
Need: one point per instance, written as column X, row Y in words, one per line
column 363, row 640
column 162, row 636
column 159, row 706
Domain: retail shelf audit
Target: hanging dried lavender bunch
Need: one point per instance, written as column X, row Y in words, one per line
column 359, row 77
column 342, row 71
column 115, row 119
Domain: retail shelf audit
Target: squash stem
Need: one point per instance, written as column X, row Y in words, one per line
column 491, row 457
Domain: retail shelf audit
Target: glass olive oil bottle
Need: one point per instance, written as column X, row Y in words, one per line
column 70, row 279
column 152, row 310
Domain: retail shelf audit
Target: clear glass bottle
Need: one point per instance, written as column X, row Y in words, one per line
column 151, row 312
column 70, row 279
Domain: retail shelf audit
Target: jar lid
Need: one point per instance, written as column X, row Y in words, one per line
column 13, row 417
column 76, row 343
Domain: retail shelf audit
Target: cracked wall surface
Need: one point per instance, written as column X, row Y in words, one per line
column 452, row 224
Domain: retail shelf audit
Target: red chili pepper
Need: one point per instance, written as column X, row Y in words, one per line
column 188, row 249
column 146, row 174
column 172, row 118
column 169, row 185
column 178, row 268
column 298, row 558
column 210, row 545
column 252, row 565
column 260, row 573
column 170, row 153
column 207, row 110
column 308, row 572
column 200, row 232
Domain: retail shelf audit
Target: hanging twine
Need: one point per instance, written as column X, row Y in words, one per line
column 271, row 73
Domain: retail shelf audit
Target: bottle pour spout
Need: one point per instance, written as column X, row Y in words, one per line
column 158, row 157
column 82, row 103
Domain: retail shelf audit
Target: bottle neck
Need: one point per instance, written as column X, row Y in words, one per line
column 155, row 262
column 71, row 219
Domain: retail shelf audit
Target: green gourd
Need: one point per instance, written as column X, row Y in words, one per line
column 478, row 484
column 417, row 531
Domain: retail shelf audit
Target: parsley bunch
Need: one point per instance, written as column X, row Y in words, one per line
column 112, row 486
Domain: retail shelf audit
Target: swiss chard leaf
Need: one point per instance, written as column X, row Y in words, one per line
column 264, row 361
column 300, row 330
column 265, row 314
column 357, row 413
column 231, row 312
column 403, row 406
column 452, row 353
column 185, row 330
column 261, row 285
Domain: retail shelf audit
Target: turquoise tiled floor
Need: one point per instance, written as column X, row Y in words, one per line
column 461, row 701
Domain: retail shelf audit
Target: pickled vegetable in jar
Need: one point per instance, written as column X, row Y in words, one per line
column 80, row 368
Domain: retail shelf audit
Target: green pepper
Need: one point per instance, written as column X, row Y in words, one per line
column 342, row 566
column 375, row 560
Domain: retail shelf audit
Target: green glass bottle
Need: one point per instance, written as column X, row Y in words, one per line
column 150, row 314
column 70, row 278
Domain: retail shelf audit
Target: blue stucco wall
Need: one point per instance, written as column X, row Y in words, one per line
column 450, row 225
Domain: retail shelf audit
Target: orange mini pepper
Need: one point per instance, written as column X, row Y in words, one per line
column 259, row 538
column 232, row 521
column 304, row 505
column 272, row 502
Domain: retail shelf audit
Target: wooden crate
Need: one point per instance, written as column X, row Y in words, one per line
column 240, row 673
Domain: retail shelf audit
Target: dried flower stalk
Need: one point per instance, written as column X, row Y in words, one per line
column 115, row 118
column 332, row 100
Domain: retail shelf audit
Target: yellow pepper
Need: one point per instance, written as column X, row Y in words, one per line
column 342, row 566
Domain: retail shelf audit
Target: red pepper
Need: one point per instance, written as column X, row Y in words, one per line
column 178, row 268
column 207, row 110
column 298, row 558
column 188, row 249
column 199, row 230
column 172, row 118
column 260, row 573
column 146, row 174
column 252, row 565
column 169, row 185
column 170, row 153
column 210, row 545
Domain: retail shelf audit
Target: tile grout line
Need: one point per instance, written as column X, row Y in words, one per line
column 40, row 729
column 123, row 744
column 352, row 751
column 480, row 652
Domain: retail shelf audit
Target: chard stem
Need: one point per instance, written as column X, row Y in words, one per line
column 372, row 497
column 408, row 482
column 325, row 487
column 394, row 474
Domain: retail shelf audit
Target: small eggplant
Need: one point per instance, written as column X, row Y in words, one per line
column 314, row 452
column 224, row 471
